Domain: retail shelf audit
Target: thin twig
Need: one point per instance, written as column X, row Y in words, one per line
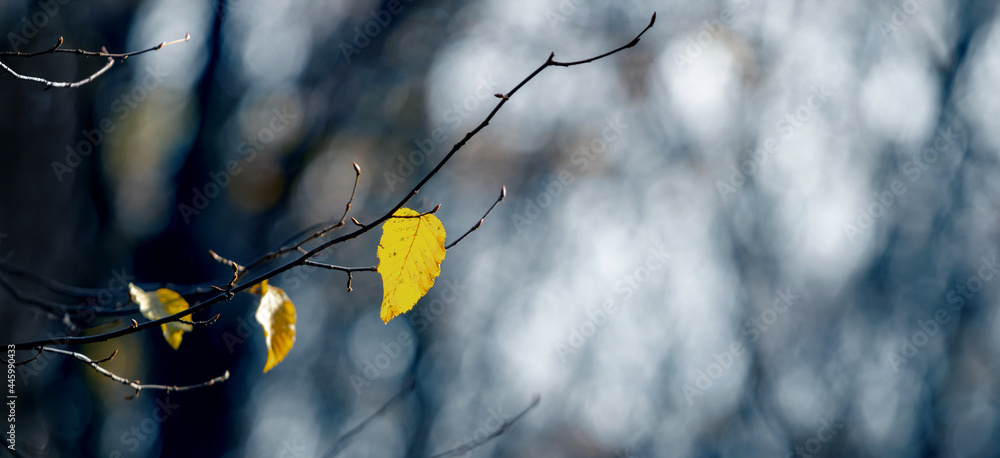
column 420, row 215
column 93, row 293
column 350, row 270
column 236, row 271
column 21, row 363
column 109, row 358
column 53, row 285
column 66, row 310
column 301, row 260
column 51, row 84
column 223, row 260
column 134, row 384
column 470, row 446
column 21, row 297
column 345, row 439
column 104, row 53
column 503, row 193
column 57, row 49
column 342, row 269
column 319, row 233
column 630, row 44
column 202, row 323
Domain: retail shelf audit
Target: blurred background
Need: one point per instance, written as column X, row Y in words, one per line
column 769, row 229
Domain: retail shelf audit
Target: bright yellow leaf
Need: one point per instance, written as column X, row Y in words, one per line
column 410, row 254
column 276, row 314
column 158, row 304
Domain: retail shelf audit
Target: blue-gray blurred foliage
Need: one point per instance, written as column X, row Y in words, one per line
column 769, row 229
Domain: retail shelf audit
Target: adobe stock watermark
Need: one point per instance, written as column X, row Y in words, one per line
column 363, row 35
column 219, row 180
column 624, row 289
column 492, row 424
column 390, row 352
column 562, row 11
column 752, row 331
column 956, row 297
column 785, row 129
column 900, row 14
column 30, row 26
column 292, row 448
column 827, row 430
column 145, row 429
column 710, row 31
column 122, row 106
column 423, row 315
column 453, row 116
column 11, row 409
column 946, row 140
column 581, row 159
column 626, row 452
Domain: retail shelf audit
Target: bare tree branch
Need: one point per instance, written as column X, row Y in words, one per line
column 74, row 291
column 51, row 84
column 203, row 323
column 470, row 446
column 345, row 439
column 503, row 193
column 134, row 384
column 104, row 52
column 49, row 283
column 57, row 49
column 69, row 310
column 300, row 261
column 342, row 269
column 319, row 233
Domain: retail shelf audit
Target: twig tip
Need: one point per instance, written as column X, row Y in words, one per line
column 653, row 20
column 503, row 192
column 357, row 168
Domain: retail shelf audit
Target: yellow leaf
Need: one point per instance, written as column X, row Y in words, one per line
column 410, row 254
column 158, row 304
column 276, row 314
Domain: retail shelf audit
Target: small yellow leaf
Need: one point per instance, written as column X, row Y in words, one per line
column 410, row 254
column 276, row 314
column 158, row 304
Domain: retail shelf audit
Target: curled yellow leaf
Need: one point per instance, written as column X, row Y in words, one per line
column 158, row 304
column 276, row 314
column 410, row 254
